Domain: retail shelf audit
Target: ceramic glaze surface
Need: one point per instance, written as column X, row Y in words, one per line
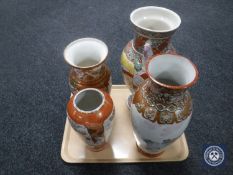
column 153, row 27
column 88, row 69
column 91, row 113
column 133, row 78
column 156, row 137
column 161, row 107
column 96, row 77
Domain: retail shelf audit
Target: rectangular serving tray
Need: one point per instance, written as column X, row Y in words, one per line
column 122, row 146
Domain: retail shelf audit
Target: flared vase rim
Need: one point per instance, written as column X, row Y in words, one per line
column 155, row 31
column 102, row 60
column 174, row 87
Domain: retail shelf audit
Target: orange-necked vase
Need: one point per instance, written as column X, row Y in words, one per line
column 90, row 112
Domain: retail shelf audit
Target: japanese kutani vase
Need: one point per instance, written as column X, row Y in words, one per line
column 161, row 107
column 87, row 58
column 153, row 29
column 90, row 113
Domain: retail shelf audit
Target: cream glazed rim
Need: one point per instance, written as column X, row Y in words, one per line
column 184, row 67
column 172, row 18
column 75, row 48
column 93, row 110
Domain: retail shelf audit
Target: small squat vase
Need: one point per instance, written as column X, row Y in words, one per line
column 161, row 107
column 87, row 58
column 153, row 29
column 90, row 113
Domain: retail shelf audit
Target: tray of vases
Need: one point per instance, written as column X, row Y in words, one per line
column 121, row 147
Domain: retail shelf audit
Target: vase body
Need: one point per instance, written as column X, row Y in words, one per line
column 90, row 113
column 87, row 58
column 152, row 36
column 161, row 107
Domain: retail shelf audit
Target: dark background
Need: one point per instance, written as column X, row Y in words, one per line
column 34, row 89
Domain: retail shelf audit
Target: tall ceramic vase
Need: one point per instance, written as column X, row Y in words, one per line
column 87, row 58
column 153, row 28
column 161, row 108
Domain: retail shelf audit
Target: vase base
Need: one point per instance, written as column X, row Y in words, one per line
column 149, row 154
column 98, row 148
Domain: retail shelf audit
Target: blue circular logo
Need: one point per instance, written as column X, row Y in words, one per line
column 214, row 155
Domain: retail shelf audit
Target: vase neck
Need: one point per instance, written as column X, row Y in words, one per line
column 157, row 95
column 89, row 76
column 157, row 44
column 156, row 88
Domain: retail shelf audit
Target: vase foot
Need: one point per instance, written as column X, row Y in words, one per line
column 149, row 154
column 97, row 148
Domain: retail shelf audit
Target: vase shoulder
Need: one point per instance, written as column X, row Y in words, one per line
column 162, row 106
column 88, row 118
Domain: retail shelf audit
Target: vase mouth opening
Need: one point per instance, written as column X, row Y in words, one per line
column 155, row 19
column 172, row 71
column 86, row 53
column 88, row 100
